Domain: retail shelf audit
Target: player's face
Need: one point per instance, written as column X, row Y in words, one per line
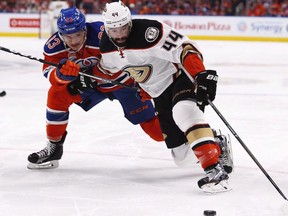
column 75, row 40
column 119, row 35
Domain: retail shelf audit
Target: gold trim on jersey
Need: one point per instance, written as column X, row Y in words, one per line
column 189, row 48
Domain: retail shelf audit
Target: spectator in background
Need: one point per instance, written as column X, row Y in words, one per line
column 4, row 7
column 256, row 9
column 284, row 8
column 54, row 9
column 88, row 6
column 275, row 9
column 133, row 8
column 164, row 7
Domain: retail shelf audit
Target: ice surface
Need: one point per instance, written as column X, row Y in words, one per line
column 111, row 168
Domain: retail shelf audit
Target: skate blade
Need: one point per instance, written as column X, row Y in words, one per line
column 48, row 165
column 212, row 188
column 230, row 152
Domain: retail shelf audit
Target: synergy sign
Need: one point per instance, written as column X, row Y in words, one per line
column 262, row 27
column 195, row 27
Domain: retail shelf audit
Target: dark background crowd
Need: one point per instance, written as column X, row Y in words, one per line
column 271, row 8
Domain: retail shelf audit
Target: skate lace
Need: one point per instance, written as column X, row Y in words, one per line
column 223, row 160
column 215, row 173
column 48, row 150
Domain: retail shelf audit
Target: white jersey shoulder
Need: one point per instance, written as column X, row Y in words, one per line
column 151, row 56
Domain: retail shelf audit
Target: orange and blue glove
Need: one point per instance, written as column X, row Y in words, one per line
column 67, row 71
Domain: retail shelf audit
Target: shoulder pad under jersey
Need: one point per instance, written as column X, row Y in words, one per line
column 54, row 45
column 145, row 34
column 105, row 44
column 94, row 33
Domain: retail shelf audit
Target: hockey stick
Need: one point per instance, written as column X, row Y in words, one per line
column 81, row 71
column 246, row 148
column 238, row 138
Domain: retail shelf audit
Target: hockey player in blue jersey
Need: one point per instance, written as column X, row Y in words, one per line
column 75, row 46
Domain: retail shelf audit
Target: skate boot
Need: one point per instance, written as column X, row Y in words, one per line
column 216, row 180
column 48, row 157
column 226, row 156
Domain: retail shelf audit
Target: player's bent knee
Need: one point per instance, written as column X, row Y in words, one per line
column 186, row 114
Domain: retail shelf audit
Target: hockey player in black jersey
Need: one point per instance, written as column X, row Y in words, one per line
column 169, row 67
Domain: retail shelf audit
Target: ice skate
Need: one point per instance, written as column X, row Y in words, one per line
column 48, row 157
column 216, row 180
column 226, row 156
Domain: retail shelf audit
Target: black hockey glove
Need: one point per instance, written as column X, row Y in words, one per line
column 206, row 86
column 81, row 84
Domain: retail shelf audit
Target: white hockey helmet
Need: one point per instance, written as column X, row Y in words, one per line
column 115, row 15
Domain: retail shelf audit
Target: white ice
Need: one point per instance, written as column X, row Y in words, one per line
column 111, row 168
